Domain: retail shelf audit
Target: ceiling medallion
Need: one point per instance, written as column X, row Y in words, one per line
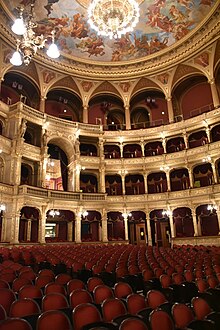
column 113, row 18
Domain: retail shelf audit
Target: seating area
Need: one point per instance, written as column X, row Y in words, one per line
column 109, row 287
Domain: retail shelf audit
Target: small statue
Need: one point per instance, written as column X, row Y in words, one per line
column 22, row 128
column 44, row 139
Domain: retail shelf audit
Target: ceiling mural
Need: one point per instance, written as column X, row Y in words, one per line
column 161, row 24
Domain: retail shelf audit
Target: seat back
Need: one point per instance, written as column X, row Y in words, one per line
column 122, row 290
column 155, row 298
column 54, row 319
column 160, row 320
column 133, row 324
column 30, row 291
column 15, row 324
column 84, row 314
column 54, row 301
column 80, row 296
column 135, row 302
column 93, row 282
column 7, row 297
column 201, row 308
column 24, row 307
column 74, row 284
column 112, row 308
column 102, row 292
column 182, row 315
column 55, row 288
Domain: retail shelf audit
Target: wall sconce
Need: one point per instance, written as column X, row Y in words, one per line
column 167, row 213
column 126, row 215
column 164, row 168
column 212, row 207
column 54, row 213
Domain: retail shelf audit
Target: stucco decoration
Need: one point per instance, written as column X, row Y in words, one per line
column 162, row 23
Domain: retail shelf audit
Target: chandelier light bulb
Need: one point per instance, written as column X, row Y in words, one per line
column 53, row 51
column 18, row 27
column 16, row 59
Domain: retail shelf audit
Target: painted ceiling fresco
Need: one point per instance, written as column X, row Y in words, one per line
column 161, row 24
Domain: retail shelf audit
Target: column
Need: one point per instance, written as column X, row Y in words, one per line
column 172, row 226
column 218, row 216
column 7, row 225
column 199, row 226
column 29, row 230
column 208, row 134
column 145, row 183
column 214, row 172
column 195, row 222
column 149, row 235
column 214, row 92
column 78, row 227
column 42, row 103
column 168, row 180
column 85, row 114
column 126, row 226
column 77, row 178
column 170, row 109
column 185, row 137
column 104, row 226
column 127, row 117
column 123, row 183
column 142, row 148
column 121, row 149
column 42, row 225
column 102, row 178
column 15, row 228
column 70, row 231
column 43, row 170
column 191, row 179
column 164, row 145
column 101, row 149
column 15, row 173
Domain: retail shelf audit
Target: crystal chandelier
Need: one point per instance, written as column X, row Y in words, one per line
column 112, row 18
column 29, row 42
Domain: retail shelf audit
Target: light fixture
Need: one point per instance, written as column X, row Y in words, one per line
column 164, row 168
column 166, row 213
column 212, row 207
column 126, row 215
column 54, row 213
column 29, row 42
column 206, row 159
column 113, row 18
column 2, row 207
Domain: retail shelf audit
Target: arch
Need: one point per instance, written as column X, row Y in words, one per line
column 90, row 226
column 157, row 182
column 116, row 230
column 134, row 184
column 153, row 148
column 57, row 171
column 60, row 225
column 203, row 175
column 132, row 150
column 207, row 221
column 26, row 174
column 88, row 183
column 20, row 86
column 182, row 218
column 197, row 139
column 113, row 184
column 179, row 179
column 29, row 224
column 64, row 104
